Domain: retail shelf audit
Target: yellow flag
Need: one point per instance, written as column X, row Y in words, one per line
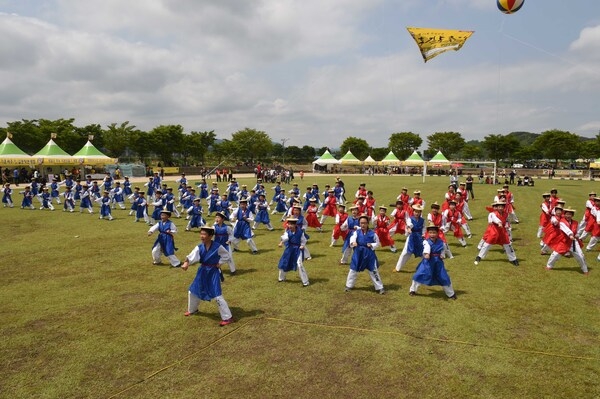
column 432, row 42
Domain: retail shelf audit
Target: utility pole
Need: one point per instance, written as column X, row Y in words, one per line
column 283, row 141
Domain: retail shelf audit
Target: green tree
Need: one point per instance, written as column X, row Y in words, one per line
column 471, row 151
column 449, row 143
column 557, row 144
column 403, row 144
column 167, row 140
column 250, row 145
column 116, row 138
column 308, row 154
column 379, row 153
column 196, row 144
column 359, row 147
column 92, row 130
column 499, row 147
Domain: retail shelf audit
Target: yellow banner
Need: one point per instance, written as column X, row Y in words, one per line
column 433, row 42
column 18, row 161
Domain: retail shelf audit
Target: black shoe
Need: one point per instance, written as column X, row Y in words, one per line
column 347, row 289
column 232, row 273
column 477, row 260
column 381, row 291
column 254, row 252
column 412, row 293
column 515, row 262
column 453, row 297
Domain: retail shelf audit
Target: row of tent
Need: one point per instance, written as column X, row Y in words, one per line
column 52, row 154
column 390, row 160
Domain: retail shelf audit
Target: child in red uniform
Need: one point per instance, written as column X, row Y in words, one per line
column 340, row 218
column 381, row 223
column 311, row 214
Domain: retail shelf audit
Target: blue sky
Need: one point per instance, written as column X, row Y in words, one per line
column 313, row 72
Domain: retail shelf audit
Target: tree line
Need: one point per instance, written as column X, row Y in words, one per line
column 171, row 145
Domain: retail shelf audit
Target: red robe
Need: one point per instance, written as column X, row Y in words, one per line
column 437, row 221
column 399, row 222
column 495, row 234
column 337, row 231
column 311, row 216
column 382, row 223
column 330, row 208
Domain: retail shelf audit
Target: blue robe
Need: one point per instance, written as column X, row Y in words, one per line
column 222, row 235
column 164, row 239
column 262, row 216
column 105, row 206
column 127, row 188
column 432, row 271
column 196, row 219
column 27, row 197
column 242, row 228
column 415, row 239
column 140, row 208
column 289, row 258
column 281, row 203
column 203, row 190
column 351, row 223
column 207, row 284
column 363, row 256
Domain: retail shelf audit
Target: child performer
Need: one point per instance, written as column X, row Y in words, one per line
column 117, row 195
column 262, row 213
column 545, row 215
column 364, row 241
column 224, row 236
column 242, row 229
column 281, row 203
column 329, row 206
column 311, row 215
column 170, row 200
column 165, row 243
column 69, row 201
column 207, row 283
column 588, row 220
column 452, row 221
column 496, row 233
column 141, row 208
column 399, row 215
column 381, row 223
column 105, row 206
column 435, row 218
column 349, row 226
column 7, row 196
column 568, row 242
column 431, row 270
column 340, row 219
column 86, row 199
column 414, row 242
column 195, row 213
column 293, row 255
column 127, row 187
column 27, row 198
column 54, row 194
column 46, row 199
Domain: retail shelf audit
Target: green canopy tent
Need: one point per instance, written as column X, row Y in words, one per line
column 369, row 161
column 52, row 154
column 90, row 155
column 414, row 160
column 350, row 159
column 326, row 160
column 390, row 160
column 11, row 155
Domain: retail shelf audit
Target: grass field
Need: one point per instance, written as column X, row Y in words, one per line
column 85, row 314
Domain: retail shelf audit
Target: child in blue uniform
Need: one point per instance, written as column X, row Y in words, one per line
column 170, row 200
column 195, row 214
column 7, row 196
column 141, row 208
column 127, row 187
column 46, row 199
column 86, row 199
column 262, row 213
column 132, row 198
column 207, row 283
column 224, row 236
column 242, row 229
column 350, row 225
column 165, row 243
column 364, row 241
column 69, row 201
column 293, row 255
column 414, row 242
column 27, row 198
column 105, row 206
column 54, row 194
column 431, row 270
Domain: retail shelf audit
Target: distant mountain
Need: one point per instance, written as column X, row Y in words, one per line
column 525, row 138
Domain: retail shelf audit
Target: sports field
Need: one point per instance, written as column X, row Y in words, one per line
column 85, row 313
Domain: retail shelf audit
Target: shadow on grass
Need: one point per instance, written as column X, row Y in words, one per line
column 237, row 312
column 431, row 294
column 567, row 269
column 240, row 272
column 387, row 287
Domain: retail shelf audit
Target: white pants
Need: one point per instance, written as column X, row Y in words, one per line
column 404, row 256
column 236, row 242
column 510, row 252
column 194, row 302
column 447, row 288
column 301, row 272
column 577, row 254
column 157, row 252
column 375, row 278
column 346, row 255
column 231, row 262
column 467, row 211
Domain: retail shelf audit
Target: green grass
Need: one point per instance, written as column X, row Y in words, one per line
column 90, row 316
